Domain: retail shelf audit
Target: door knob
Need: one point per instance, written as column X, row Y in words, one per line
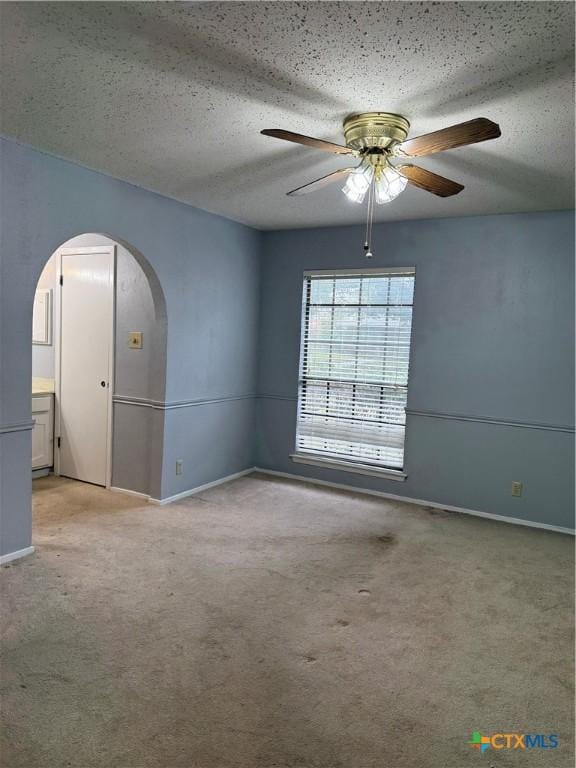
column 102, row 383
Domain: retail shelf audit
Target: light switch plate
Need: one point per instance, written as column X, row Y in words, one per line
column 135, row 339
column 516, row 488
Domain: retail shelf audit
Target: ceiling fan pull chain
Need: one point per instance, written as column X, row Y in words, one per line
column 366, row 243
column 371, row 195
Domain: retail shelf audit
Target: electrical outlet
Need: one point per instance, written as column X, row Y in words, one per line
column 179, row 465
column 516, row 488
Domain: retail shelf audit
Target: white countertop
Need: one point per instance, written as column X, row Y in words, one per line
column 42, row 386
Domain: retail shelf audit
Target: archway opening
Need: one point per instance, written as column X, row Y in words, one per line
column 98, row 368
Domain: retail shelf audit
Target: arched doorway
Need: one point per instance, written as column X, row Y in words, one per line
column 107, row 436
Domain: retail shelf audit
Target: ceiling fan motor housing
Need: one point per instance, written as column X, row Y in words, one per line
column 380, row 130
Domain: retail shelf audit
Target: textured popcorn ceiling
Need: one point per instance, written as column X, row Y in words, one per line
column 172, row 96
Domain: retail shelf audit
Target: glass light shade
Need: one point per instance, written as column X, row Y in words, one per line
column 358, row 182
column 389, row 185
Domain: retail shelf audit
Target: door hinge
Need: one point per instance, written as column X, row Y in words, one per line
column 59, row 442
column 61, row 279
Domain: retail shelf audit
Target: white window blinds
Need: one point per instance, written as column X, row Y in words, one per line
column 354, row 359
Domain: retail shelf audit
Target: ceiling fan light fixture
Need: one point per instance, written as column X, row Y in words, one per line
column 389, row 185
column 378, row 137
column 358, row 182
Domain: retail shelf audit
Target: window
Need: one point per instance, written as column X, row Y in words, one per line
column 354, row 366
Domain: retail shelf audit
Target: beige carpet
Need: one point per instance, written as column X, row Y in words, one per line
column 271, row 624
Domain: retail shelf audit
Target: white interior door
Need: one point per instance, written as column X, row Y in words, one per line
column 86, row 359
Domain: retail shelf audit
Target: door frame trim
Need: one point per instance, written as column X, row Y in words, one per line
column 57, row 328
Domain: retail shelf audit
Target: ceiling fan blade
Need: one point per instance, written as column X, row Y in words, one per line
column 308, row 141
column 319, row 183
column 429, row 181
column 459, row 135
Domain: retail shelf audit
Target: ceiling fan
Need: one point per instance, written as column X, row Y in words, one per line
column 379, row 139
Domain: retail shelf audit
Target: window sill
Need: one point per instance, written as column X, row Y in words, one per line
column 346, row 466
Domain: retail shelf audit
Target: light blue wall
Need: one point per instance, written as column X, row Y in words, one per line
column 204, row 266
column 490, row 395
column 491, row 391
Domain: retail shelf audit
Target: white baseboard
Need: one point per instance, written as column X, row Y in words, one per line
column 201, row 488
column 340, row 486
column 418, row 502
column 8, row 558
column 127, row 492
